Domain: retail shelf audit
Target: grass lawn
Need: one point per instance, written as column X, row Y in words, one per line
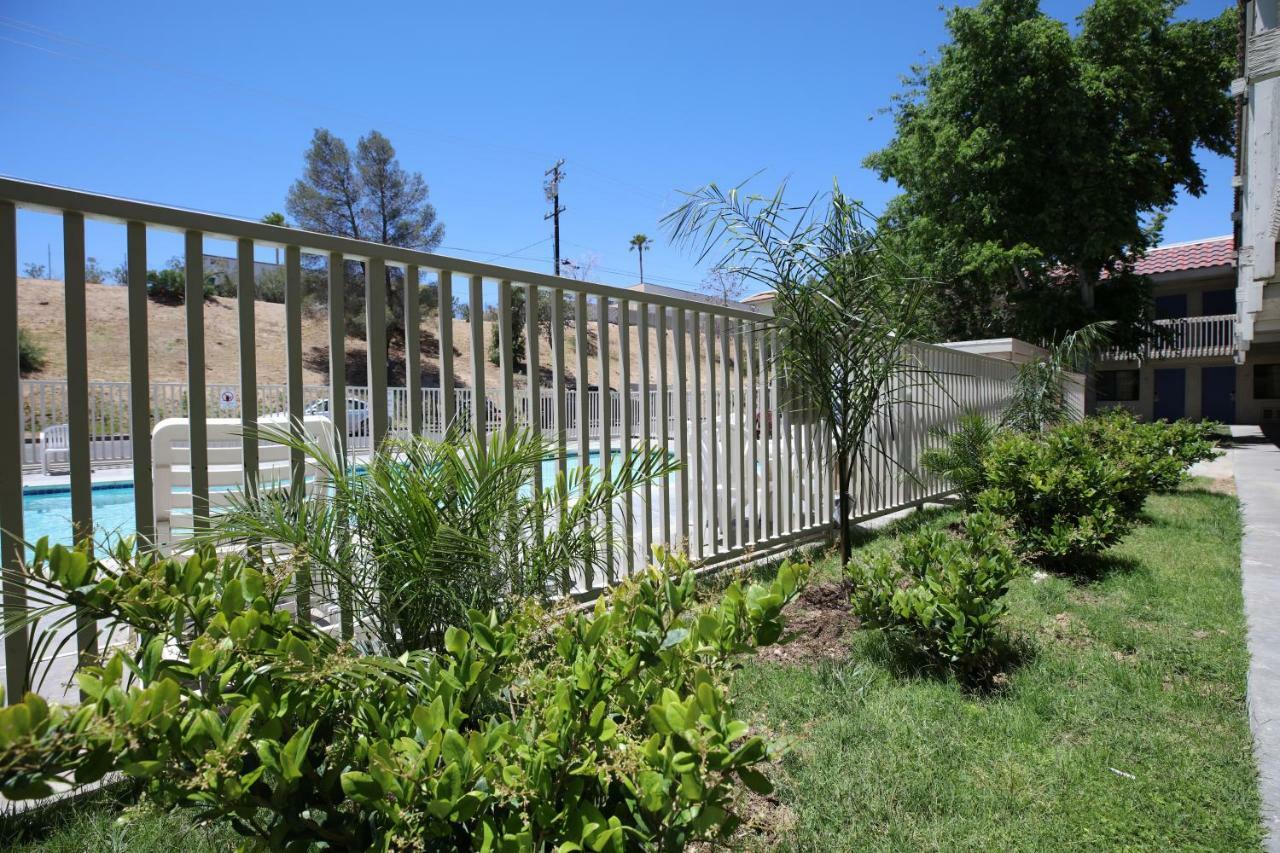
column 112, row 820
column 1122, row 726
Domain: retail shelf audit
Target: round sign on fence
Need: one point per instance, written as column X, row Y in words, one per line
column 227, row 398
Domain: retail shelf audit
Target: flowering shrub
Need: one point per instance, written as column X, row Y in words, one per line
column 606, row 730
column 943, row 594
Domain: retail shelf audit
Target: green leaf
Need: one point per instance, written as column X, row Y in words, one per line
column 674, row 637
column 455, row 641
column 295, row 752
column 361, row 787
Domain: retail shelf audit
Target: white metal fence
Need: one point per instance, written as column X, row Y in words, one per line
column 45, row 403
column 756, row 466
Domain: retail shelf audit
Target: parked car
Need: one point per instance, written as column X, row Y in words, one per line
column 357, row 414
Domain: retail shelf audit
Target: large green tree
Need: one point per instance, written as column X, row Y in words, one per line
column 368, row 196
column 1036, row 163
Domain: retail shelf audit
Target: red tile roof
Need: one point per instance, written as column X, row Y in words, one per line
column 1180, row 257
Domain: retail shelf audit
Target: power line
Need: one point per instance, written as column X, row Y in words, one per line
column 512, row 254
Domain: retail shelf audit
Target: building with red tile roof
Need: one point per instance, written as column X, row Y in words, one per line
column 1214, row 252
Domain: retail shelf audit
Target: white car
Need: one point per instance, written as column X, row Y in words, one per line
column 357, row 414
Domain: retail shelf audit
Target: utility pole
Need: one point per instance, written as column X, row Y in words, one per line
column 552, row 188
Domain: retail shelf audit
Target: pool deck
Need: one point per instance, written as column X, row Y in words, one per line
column 102, row 475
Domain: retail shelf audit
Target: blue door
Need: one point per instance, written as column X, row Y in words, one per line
column 1171, row 394
column 1218, row 393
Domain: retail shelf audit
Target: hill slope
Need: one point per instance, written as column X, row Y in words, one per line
column 41, row 311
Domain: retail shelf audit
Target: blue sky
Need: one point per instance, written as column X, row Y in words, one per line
column 212, row 107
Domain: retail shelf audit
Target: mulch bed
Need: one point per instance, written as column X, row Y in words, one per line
column 818, row 623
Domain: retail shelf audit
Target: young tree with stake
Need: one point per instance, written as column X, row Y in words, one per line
column 847, row 308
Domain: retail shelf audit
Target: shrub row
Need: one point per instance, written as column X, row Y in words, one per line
column 1077, row 489
column 606, row 730
column 1055, row 496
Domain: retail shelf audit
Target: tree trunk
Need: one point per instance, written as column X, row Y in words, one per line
column 1086, row 286
column 846, row 543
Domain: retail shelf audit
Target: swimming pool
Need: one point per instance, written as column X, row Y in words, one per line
column 46, row 510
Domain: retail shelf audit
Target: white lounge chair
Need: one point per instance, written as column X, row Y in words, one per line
column 171, row 467
column 55, row 441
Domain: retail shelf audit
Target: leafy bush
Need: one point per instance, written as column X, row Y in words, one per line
column 943, row 594
column 430, row 530
column 569, row 731
column 31, row 356
column 270, row 285
column 961, row 458
column 1160, row 451
column 1063, row 496
column 169, row 286
column 93, row 271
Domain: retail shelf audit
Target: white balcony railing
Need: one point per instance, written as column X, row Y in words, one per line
column 1184, row 337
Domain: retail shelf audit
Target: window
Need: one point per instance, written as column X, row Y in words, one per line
column 1116, row 386
column 1215, row 303
column 1266, row 382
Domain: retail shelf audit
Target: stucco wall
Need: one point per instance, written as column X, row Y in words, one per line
column 1249, row 410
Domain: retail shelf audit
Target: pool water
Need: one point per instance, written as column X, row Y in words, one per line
column 46, row 510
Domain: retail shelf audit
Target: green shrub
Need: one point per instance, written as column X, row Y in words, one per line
column 1064, row 498
column 963, row 454
column 605, row 731
column 1161, row 451
column 169, row 286
column 943, row 594
column 31, row 356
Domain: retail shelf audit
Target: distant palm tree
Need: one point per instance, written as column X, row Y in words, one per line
column 275, row 217
column 639, row 243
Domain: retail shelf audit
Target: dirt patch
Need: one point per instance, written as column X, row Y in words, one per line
column 766, row 820
column 1070, row 630
column 818, row 623
column 1222, row 485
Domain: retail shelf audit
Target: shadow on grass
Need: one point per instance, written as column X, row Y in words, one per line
column 920, row 518
column 987, row 675
column 1198, row 491
column 1091, row 568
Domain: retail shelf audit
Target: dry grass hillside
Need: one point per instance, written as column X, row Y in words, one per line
column 41, row 312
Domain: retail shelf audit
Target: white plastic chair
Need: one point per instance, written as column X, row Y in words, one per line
column 55, row 440
column 171, row 467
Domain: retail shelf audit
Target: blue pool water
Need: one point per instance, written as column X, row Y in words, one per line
column 46, row 510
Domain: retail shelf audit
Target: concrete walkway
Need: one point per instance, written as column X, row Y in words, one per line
column 1256, row 459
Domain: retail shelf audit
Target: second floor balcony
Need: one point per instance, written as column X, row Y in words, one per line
column 1183, row 337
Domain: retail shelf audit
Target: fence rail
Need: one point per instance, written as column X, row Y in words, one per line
column 756, row 473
